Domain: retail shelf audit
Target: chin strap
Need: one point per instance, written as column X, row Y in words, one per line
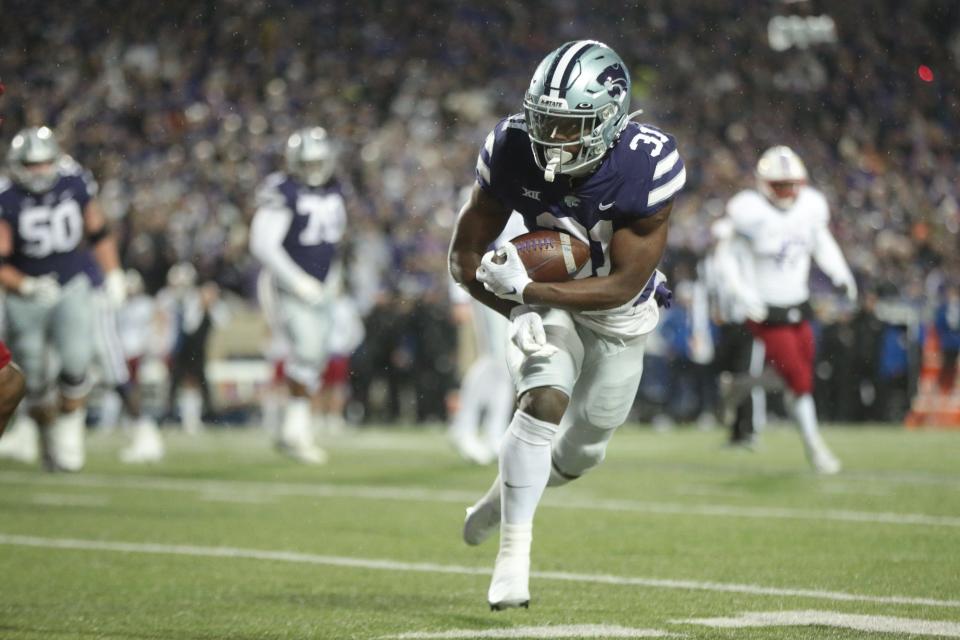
column 555, row 157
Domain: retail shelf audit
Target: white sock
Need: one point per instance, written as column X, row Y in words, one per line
column 805, row 413
column 110, row 409
column 516, row 539
column 524, row 467
column 296, row 427
column 271, row 408
column 191, row 410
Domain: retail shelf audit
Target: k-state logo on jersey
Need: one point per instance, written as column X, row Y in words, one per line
column 614, row 80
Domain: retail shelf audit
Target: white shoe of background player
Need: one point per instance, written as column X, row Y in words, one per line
column 64, row 442
column 147, row 445
column 20, row 441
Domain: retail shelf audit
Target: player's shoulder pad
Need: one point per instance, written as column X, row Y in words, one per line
column 816, row 204
column 499, row 147
column 650, row 167
column 275, row 192
column 745, row 209
column 74, row 173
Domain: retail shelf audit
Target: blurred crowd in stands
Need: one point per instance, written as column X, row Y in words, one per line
column 180, row 108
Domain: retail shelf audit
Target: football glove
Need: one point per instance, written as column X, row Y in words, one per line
column 115, row 287
column 43, row 289
column 506, row 280
column 528, row 334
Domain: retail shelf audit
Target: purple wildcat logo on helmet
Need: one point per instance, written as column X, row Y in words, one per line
column 614, row 80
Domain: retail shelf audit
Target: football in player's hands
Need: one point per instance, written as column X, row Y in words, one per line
column 550, row 256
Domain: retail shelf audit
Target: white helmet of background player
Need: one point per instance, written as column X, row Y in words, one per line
column 311, row 156
column 780, row 174
column 32, row 159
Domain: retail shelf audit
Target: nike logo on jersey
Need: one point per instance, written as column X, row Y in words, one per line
column 516, row 486
column 604, row 207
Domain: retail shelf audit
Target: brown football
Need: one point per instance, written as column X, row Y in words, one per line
column 551, row 256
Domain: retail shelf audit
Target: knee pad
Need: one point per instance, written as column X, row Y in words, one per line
column 580, row 448
column 74, row 386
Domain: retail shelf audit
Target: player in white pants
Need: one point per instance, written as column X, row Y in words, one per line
column 487, row 390
column 296, row 234
column 572, row 162
column 146, row 444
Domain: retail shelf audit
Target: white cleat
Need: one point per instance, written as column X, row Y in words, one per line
column 824, row 462
column 20, row 441
column 510, row 586
column 304, row 453
column 147, row 445
column 64, row 442
column 482, row 520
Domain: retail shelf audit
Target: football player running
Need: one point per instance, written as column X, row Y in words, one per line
column 775, row 229
column 295, row 233
column 573, row 162
column 50, row 218
column 146, row 443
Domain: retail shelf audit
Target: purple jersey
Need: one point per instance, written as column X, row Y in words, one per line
column 639, row 175
column 318, row 223
column 48, row 228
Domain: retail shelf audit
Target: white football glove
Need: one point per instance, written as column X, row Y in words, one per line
column 754, row 308
column 849, row 288
column 43, row 289
column 310, row 290
column 526, row 331
column 115, row 287
column 506, row 280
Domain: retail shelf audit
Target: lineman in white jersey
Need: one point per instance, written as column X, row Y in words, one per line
column 572, row 161
column 295, row 234
column 486, row 388
column 777, row 229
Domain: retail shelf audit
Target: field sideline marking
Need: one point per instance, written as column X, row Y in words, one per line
column 247, row 488
column 876, row 624
column 429, row 567
column 547, row 631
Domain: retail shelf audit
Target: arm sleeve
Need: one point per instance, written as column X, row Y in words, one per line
column 496, row 156
column 267, row 231
column 829, row 258
column 729, row 273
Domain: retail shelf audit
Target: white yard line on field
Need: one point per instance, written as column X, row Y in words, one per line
column 553, row 632
column 68, row 500
column 877, row 624
column 413, row 494
column 427, row 567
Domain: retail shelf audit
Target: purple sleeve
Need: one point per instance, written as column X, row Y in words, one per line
column 654, row 172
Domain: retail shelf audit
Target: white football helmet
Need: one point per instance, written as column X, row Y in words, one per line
column 32, row 159
column 576, row 107
column 780, row 174
column 311, row 156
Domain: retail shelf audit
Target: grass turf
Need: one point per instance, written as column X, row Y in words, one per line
column 663, row 506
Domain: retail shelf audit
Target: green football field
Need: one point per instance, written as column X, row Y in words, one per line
column 673, row 536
